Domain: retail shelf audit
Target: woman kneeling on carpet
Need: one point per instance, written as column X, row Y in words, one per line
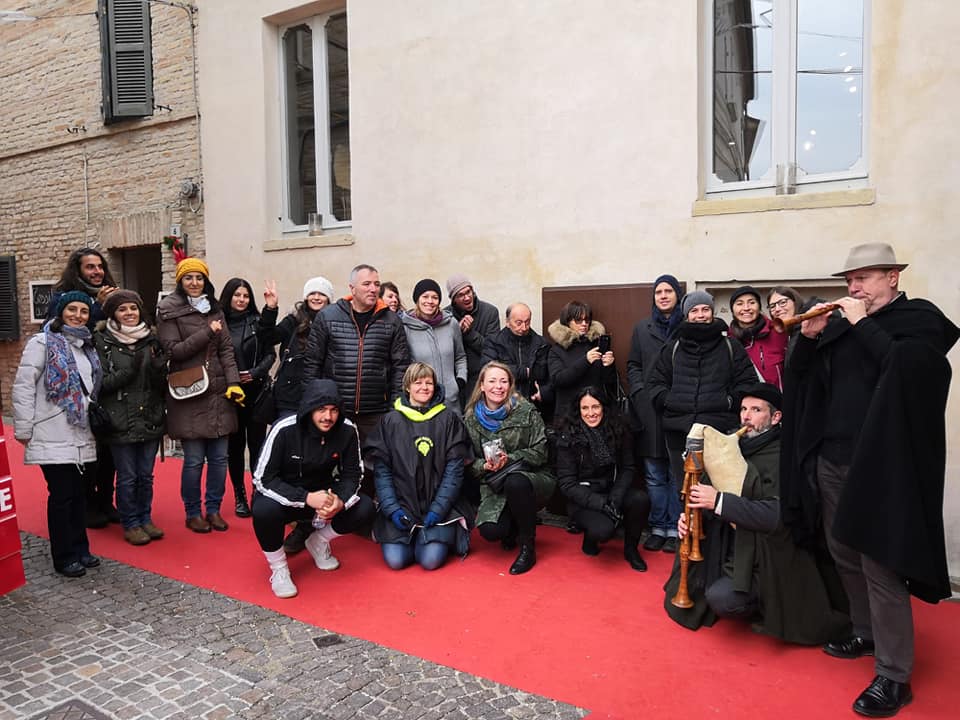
column 58, row 372
column 418, row 454
column 509, row 439
column 294, row 480
column 595, row 471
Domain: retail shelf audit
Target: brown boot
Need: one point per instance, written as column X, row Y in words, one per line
column 198, row 524
column 217, row 522
column 136, row 536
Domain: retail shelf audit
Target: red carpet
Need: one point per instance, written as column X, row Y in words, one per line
column 588, row 631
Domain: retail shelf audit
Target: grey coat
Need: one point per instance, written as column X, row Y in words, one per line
column 185, row 336
column 441, row 347
column 43, row 425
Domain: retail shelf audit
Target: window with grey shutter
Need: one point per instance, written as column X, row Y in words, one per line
column 127, row 59
column 9, row 315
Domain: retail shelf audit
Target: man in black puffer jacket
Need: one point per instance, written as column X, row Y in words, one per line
column 697, row 378
column 359, row 344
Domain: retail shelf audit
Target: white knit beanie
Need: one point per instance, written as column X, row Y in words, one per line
column 318, row 284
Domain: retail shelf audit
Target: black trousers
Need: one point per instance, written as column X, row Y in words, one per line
column 599, row 528
column 518, row 521
column 66, row 504
column 249, row 435
column 98, row 483
column 270, row 518
column 879, row 600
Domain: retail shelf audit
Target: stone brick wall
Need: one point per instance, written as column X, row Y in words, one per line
column 68, row 180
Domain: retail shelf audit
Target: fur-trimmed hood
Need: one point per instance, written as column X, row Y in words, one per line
column 565, row 337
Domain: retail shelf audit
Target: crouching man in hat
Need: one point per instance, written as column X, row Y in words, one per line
column 752, row 570
column 868, row 387
column 294, row 480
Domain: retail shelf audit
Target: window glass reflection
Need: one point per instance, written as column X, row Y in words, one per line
column 742, row 83
column 298, row 94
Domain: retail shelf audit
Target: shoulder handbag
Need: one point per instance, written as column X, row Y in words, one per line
column 97, row 416
column 264, row 409
column 189, row 382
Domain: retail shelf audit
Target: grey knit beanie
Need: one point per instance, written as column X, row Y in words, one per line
column 697, row 297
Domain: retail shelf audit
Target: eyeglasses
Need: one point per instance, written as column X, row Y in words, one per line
column 782, row 304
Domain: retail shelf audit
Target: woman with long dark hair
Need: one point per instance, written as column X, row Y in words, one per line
column 595, row 471
column 191, row 331
column 254, row 358
column 58, row 374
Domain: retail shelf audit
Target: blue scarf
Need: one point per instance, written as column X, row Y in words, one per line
column 491, row 419
column 61, row 375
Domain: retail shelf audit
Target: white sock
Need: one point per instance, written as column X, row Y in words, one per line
column 276, row 559
column 327, row 532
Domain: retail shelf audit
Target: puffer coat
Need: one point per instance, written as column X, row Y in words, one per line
column 134, row 386
column 699, row 377
column 524, row 438
column 188, row 341
column 367, row 367
column 43, row 425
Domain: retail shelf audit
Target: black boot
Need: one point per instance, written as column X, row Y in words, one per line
column 526, row 558
column 631, row 554
column 242, row 507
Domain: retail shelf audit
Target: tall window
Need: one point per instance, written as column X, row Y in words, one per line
column 316, row 121
column 787, row 93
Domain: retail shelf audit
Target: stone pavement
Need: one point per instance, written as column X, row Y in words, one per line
column 124, row 643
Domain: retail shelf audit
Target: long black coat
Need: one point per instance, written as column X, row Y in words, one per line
column 891, row 506
column 699, row 376
column 646, row 344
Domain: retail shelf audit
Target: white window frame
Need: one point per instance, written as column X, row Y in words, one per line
column 783, row 114
column 321, row 114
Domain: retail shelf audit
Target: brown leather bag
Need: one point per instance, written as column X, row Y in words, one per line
column 188, row 383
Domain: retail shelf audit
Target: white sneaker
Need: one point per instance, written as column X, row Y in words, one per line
column 281, row 583
column 319, row 549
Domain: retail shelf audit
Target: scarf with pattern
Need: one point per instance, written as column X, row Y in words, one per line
column 61, row 375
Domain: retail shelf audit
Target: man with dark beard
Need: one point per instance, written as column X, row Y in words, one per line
column 751, row 569
column 87, row 271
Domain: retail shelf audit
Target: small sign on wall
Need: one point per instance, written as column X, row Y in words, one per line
column 40, row 291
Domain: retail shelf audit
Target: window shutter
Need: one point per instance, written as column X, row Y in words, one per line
column 127, row 59
column 9, row 314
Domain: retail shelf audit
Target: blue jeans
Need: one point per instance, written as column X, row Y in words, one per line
column 194, row 452
column 429, row 556
column 664, row 496
column 134, row 463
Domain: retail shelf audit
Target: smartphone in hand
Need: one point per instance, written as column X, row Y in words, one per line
column 604, row 345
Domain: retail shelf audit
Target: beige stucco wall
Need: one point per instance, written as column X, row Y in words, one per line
column 555, row 143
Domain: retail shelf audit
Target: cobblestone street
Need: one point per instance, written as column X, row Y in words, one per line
column 145, row 646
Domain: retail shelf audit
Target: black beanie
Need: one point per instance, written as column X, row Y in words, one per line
column 764, row 391
column 744, row 290
column 426, row 284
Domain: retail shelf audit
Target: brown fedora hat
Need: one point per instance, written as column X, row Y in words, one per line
column 870, row 255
